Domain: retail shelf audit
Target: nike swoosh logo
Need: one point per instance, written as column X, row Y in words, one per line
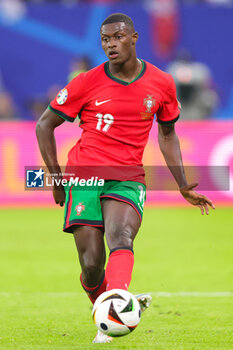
column 100, row 103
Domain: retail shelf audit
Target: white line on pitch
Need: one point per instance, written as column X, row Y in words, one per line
column 192, row 294
column 156, row 294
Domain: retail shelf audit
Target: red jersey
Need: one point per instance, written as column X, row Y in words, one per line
column 116, row 116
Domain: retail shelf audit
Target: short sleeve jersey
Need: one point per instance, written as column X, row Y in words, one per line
column 116, row 116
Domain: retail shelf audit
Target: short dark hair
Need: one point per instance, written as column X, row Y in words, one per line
column 119, row 17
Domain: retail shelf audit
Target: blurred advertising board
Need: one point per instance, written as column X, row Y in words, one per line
column 207, row 149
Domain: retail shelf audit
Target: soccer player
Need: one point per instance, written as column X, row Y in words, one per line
column 116, row 103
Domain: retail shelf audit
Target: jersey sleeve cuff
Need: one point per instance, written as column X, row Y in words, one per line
column 61, row 114
column 167, row 122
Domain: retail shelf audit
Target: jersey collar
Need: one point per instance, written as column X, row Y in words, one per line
column 107, row 71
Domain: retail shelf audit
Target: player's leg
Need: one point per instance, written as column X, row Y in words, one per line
column 83, row 218
column 91, row 250
column 122, row 223
column 122, row 207
column 121, row 226
column 90, row 245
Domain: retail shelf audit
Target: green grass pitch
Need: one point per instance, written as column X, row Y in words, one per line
column 178, row 251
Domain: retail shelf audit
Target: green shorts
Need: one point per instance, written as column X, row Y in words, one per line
column 83, row 204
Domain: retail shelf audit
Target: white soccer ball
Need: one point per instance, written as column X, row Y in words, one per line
column 116, row 312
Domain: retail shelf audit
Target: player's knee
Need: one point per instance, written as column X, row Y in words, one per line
column 120, row 237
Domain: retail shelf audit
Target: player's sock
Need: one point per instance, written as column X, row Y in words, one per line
column 119, row 268
column 94, row 292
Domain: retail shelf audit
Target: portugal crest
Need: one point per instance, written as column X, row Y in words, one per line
column 149, row 102
column 79, row 208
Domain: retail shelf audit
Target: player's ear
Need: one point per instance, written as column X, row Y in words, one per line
column 134, row 37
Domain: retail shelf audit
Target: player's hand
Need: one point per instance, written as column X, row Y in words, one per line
column 59, row 195
column 196, row 199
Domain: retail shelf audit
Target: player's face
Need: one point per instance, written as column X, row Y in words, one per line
column 118, row 42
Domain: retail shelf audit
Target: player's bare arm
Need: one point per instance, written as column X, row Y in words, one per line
column 45, row 136
column 170, row 147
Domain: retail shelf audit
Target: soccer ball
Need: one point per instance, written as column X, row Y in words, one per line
column 116, row 312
